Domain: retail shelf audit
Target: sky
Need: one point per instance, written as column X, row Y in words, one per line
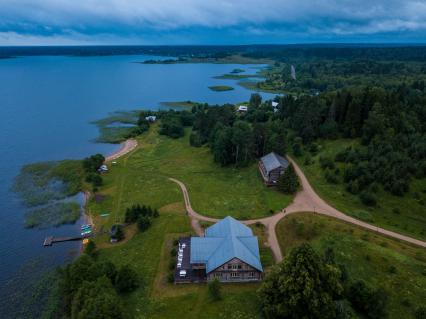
column 156, row 22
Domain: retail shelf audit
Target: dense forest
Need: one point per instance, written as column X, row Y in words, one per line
column 390, row 126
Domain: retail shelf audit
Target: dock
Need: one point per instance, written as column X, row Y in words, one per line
column 49, row 241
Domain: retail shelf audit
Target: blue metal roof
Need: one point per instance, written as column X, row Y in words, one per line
column 224, row 241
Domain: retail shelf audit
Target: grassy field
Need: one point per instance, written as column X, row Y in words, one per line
column 221, row 88
column 397, row 267
column 401, row 214
column 149, row 254
column 143, row 176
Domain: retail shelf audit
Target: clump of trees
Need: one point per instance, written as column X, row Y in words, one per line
column 91, row 165
column 173, row 123
column 142, row 215
column 238, row 139
column 307, row 285
column 89, row 288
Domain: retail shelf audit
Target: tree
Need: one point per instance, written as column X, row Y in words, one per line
column 96, row 299
column 289, row 181
column 92, row 163
column 144, row 222
column 127, row 279
column 214, row 289
column 302, row 286
column 119, row 234
column 255, row 100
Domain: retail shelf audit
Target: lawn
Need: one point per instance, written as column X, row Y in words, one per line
column 397, row 267
column 142, row 177
column 404, row 214
column 149, row 254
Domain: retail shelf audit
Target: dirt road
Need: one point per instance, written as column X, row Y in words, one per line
column 306, row 200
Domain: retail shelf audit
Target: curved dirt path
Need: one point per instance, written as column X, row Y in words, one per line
column 306, row 200
column 126, row 147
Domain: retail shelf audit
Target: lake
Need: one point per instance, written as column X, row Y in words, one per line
column 46, row 106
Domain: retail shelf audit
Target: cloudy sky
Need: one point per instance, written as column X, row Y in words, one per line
column 46, row 22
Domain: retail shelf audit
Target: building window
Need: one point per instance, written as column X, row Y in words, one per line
column 217, row 275
column 235, row 275
column 251, row 274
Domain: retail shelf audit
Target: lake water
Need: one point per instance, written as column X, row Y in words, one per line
column 46, row 106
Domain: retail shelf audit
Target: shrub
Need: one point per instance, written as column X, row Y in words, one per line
column 144, row 223
column 214, row 289
column 289, row 181
column 371, row 303
column 90, row 248
column 127, row 279
column 195, row 140
column 368, row 199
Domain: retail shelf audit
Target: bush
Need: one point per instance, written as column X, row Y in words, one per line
column 90, row 248
column 126, row 280
column 289, row 181
column 195, row 140
column 368, row 199
column 144, row 223
column 214, row 289
column 371, row 303
column 326, row 162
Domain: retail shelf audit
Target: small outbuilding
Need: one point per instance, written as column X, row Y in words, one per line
column 242, row 108
column 272, row 166
column 151, row 118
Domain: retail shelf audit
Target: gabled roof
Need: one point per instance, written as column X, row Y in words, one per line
column 224, row 241
column 273, row 161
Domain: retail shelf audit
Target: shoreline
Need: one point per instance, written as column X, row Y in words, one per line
column 126, row 147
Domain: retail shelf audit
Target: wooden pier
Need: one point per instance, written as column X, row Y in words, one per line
column 49, row 241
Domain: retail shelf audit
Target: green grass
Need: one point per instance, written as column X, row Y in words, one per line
column 409, row 218
column 221, row 88
column 398, row 267
column 215, row 191
column 149, row 255
column 142, row 177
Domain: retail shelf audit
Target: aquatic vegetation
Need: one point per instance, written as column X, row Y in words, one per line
column 47, row 187
column 221, row 88
column 44, row 182
column 117, row 126
column 53, row 215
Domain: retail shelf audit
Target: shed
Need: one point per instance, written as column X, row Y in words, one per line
column 272, row 166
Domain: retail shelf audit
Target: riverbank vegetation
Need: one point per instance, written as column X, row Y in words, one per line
column 395, row 267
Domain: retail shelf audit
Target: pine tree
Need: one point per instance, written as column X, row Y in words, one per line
column 288, row 182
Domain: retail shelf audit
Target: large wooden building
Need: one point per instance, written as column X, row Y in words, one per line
column 272, row 166
column 228, row 251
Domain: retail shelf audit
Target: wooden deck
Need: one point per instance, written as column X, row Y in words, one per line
column 49, row 241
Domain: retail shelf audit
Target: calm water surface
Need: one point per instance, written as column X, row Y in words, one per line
column 46, row 105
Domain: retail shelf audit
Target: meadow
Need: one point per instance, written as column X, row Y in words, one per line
column 397, row 267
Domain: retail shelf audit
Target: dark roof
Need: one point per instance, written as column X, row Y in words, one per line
column 273, row 161
column 224, row 241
